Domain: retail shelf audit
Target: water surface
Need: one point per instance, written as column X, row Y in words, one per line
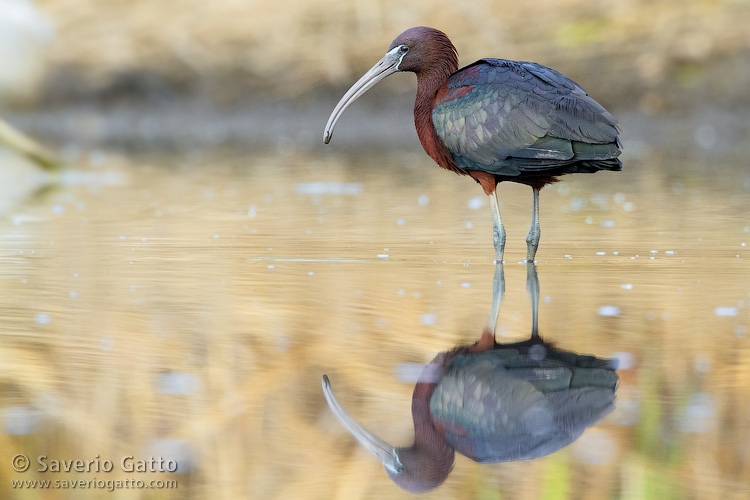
column 185, row 307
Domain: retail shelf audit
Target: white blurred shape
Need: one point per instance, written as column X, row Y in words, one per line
column 20, row 420
column 726, row 311
column 428, row 319
column 595, row 447
column 409, row 372
column 175, row 454
column 42, row 319
column 706, row 136
column 177, row 383
column 624, row 360
column 317, row 188
column 577, row 203
column 627, row 412
column 476, row 203
column 25, row 34
column 609, row 311
column 699, row 413
column 740, row 332
column 106, row 343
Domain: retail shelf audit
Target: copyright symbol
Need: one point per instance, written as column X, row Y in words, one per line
column 21, row 463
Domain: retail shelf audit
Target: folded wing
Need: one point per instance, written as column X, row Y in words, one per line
column 508, row 117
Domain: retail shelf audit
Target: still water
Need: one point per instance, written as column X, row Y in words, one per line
column 180, row 311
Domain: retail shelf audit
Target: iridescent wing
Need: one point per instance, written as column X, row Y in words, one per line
column 500, row 405
column 507, row 117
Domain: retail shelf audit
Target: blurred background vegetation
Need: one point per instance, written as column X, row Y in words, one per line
column 653, row 55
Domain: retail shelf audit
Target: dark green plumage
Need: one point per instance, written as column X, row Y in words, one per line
column 520, row 403
column 511, row 118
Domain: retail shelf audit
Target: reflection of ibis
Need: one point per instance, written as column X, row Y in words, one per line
column 496, row 120
column 492, row 403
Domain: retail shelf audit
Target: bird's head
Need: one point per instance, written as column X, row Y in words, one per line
column 419, row 50
column 410, row 468
column 419, row 473
column 424, row 49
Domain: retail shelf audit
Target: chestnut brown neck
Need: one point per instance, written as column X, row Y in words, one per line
column 429, row 82
column 429, row 438
column 429, row 460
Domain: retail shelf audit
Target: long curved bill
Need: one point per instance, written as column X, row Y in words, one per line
column 382, row 450
column 386, row 66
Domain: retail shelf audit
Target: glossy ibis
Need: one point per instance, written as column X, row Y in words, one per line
column 493, row 403
column 496, row 120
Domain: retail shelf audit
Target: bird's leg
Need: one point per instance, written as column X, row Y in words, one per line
column 532, row 286
column 498, row 289
column 498, row 231
column 532, row 239
column 487, row 341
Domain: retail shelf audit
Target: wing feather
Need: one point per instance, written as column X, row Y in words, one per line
column 504, row 405
column 507, row 117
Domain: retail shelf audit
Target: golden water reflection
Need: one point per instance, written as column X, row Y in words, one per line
column 492, row 402
column 187, row 308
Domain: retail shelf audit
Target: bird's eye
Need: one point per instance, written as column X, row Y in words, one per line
column 404, row 49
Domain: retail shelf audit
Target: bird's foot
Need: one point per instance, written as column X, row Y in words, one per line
column 499, row 257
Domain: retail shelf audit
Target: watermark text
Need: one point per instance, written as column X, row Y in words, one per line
column 44, row 466
column 93, row 484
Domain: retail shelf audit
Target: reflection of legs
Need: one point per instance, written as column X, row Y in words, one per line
column 532, row 286
column 498, row 231
column 498, row 289
column 532, row 239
